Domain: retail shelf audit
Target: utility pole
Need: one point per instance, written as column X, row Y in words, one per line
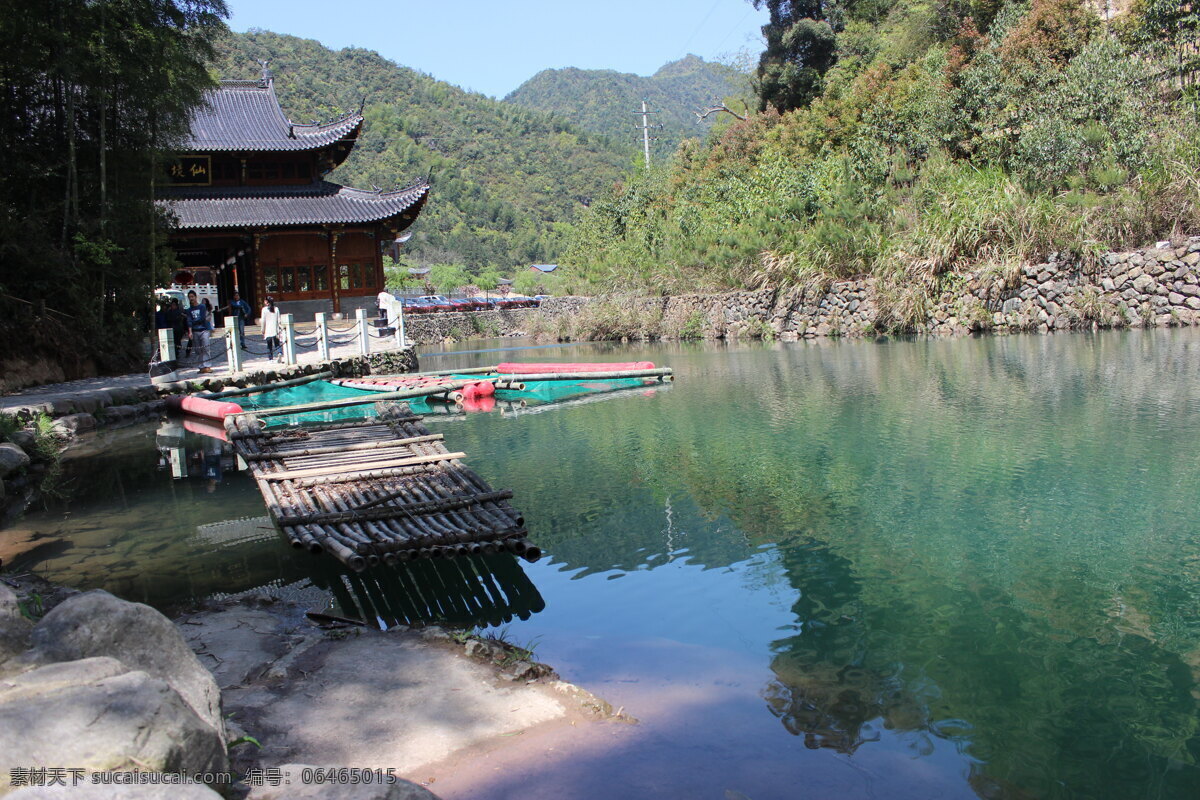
column 645, row 127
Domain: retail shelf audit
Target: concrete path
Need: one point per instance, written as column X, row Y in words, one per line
column 89, row 394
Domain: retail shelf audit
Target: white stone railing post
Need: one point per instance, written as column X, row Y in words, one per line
column 166, row 345
column 233, row 347
column 322, row 336
column 364, row 342
column 399, row 308
column 288, row 325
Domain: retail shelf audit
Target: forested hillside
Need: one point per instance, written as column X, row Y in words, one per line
column 913, row 140
column 507, row 181
column 603, row 101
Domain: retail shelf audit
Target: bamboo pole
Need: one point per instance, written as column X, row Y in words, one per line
column 397, row 462
column 421, row 532
column 326, row 405
column 347, row 448
column 363, row 424
column 436, row 373
column 490, row 511
column 266, row 387
column 392, row 540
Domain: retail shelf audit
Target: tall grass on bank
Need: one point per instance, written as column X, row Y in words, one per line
column 937, row 149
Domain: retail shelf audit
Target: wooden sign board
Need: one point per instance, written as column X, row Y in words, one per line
column 190, row 171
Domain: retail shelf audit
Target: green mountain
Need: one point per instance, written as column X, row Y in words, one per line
column 603, row 101
column 507, row 181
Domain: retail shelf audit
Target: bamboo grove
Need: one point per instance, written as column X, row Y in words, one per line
column 92, row 93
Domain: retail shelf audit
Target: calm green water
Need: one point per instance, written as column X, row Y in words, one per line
column 844, row 569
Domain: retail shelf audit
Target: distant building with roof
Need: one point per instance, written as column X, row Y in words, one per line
column 254, row 211
column 545, row 268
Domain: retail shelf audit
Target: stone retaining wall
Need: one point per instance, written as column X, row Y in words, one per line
column 1157, row 286
column 437, row 328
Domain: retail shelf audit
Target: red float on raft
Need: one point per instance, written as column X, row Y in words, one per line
column 478, row 391
column 202, row 407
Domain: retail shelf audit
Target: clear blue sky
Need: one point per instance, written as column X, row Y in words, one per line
column 493, row 47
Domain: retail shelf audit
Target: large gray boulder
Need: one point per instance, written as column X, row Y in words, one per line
column 24, row 440
column 96, row 715
column 12, row 458
column 97, row 624
column 14, row 627
column 294, row 787
column 89, row 791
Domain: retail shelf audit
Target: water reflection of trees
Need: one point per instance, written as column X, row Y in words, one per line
column 999, row 531
column 823, row 691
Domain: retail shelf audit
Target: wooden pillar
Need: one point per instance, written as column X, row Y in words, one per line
column 334, row 275
column 380, row 278
column 260, row 281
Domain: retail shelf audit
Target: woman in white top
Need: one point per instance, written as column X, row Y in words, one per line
column 270, row 327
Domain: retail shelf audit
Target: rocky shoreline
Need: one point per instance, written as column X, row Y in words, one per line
column 250, row 694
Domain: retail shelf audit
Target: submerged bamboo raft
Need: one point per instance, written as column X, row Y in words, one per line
column 378, row 489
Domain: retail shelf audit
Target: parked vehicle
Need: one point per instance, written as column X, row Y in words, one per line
column 415, row 305
column 172, row 294
column 437, row 302
column 461, row 304
column 483, row 303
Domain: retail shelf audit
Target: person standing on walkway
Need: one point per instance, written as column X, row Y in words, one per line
column 384, row 301
column 270, row 327
column 240, row 310
column 199, row 322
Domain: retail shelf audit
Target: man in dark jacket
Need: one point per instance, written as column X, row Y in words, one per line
column 240, row 310
column 199, row 322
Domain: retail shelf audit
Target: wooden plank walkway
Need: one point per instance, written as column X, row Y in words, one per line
column 379, row 489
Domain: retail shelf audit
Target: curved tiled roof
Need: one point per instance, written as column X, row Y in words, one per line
column 320, row 203
column 245, row 116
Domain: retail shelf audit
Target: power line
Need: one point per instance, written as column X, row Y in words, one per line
column 701, row 25
column 724, row 38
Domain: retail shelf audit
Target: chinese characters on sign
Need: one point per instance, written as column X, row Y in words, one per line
column 190, row 171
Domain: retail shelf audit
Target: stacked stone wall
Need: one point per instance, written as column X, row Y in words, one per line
column 435, row 328
column 1157, row 286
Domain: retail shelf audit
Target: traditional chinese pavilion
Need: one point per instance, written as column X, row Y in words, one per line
column 256, row 214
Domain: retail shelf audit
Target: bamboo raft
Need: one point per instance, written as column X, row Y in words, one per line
column 378, row 489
